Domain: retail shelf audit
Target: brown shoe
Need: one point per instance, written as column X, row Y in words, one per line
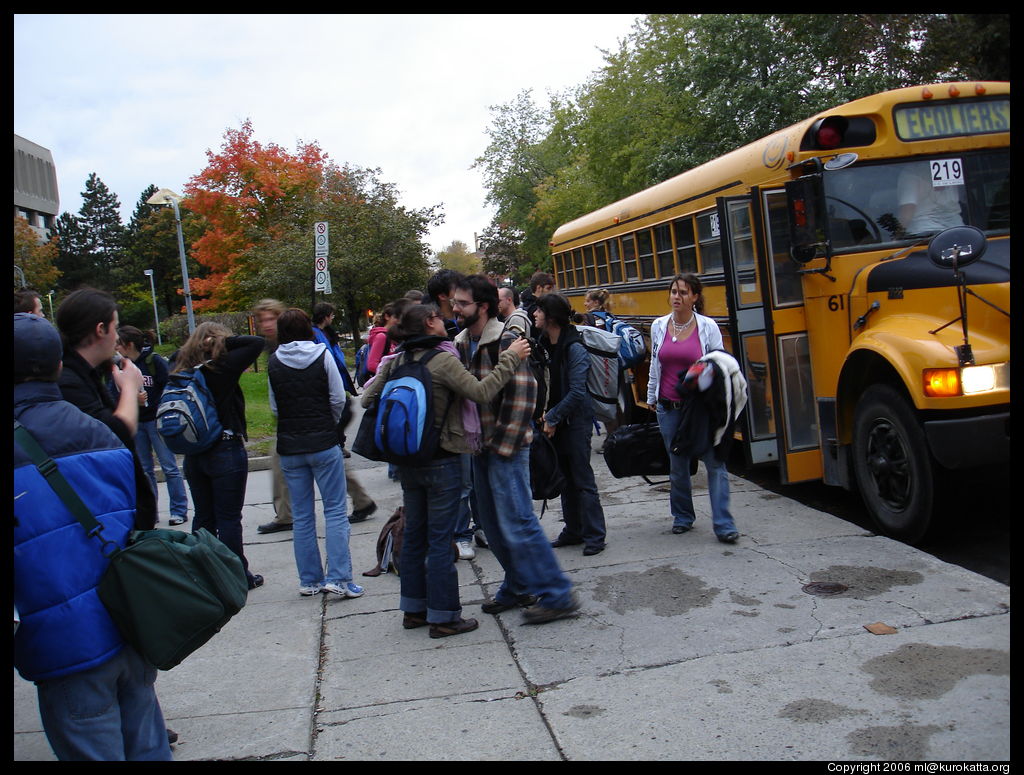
column 457, row 627
column 412, row 621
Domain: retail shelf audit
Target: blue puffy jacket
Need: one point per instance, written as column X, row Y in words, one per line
column 64, row 627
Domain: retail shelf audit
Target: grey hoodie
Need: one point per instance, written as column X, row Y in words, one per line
column 299, row 355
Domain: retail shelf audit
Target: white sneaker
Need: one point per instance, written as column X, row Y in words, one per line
column 312, row 589
column 466, row 550
column 345, row 589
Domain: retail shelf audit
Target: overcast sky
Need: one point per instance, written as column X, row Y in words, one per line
column 140, row 99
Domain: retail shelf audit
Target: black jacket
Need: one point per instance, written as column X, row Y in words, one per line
column 82, row 385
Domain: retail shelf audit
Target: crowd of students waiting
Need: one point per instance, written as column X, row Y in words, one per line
column 474, row 338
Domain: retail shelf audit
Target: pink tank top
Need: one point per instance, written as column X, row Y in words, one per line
column 676, row 357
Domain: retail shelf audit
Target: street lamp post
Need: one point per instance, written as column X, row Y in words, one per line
column 166, row 196
column 156, row 317
column 49, row 297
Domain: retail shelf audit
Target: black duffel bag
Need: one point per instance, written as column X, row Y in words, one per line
column 636, row 450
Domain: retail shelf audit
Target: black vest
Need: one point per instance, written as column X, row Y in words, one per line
column 304, row 419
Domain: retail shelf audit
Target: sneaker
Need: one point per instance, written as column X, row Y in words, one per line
column 458, row 627
column 729, row 538
column 177, row 520
column 344, row 589
column 312, row 589
column 466, row 550
column 256, row 581
column 480, row 538
column 538, row 614
column 274, row 527
column 360, row 514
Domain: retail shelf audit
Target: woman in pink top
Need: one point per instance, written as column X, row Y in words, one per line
column 678, row 340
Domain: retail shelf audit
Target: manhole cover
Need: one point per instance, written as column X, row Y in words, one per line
column 824, row 588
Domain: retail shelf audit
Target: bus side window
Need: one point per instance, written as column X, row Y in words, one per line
column 614, row 260
column 645, row 249
column 629, row 256
column 685, row 244
column 709, row 238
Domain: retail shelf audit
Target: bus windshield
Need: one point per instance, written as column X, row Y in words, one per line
column 892, row 203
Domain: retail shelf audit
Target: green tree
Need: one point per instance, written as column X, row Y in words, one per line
column 92, row 243
column 151, row 242
column 501, row 246
column 74, row 259
column 683, row 89
column 457, row 256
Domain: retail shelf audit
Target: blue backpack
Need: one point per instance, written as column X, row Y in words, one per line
column 186, row 417
column 405, row 432
column 362, row 371
column 632, row 348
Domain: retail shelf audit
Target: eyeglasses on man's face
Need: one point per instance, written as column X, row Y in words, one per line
column 460, row 303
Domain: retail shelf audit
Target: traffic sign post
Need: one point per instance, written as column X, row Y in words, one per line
column 321, row 245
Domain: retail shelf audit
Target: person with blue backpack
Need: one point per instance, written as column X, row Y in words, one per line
column 427, row 379
column 218, row 474
column 137, row 347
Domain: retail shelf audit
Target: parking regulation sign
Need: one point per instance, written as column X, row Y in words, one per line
column 321, row 243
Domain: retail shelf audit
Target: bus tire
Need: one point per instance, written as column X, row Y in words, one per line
column 892, row 465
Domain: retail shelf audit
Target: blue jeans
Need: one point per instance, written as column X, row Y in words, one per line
column 217, row 479
column 581, row 503
column 327, row 469
column 514, row 534
column 148, row 441
column 681, row 493
column 109, row 713
column 430, row 582
column 463, row 531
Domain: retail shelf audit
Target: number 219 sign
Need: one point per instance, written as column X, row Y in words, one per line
column 947, row 172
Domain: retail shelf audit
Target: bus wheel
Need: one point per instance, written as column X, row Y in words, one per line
column 893, row 465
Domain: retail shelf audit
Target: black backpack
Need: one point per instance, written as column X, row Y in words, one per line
column 546, row 478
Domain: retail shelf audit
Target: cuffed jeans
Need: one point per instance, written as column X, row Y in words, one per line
column 429, row 579
column 217, row 479
column 514, row 535
column 327, row 469
column 681, row 493
column 148, row 441
column 581, row 503
column 108, row 713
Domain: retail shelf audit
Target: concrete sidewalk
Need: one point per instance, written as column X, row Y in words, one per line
column 685, row 648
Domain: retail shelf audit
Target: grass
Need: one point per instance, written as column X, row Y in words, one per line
column 260, row 421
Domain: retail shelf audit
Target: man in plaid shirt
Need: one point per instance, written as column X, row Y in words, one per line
column 501, row 471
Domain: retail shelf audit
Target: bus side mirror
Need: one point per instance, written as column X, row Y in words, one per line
column 807, row 221
column 957, row 247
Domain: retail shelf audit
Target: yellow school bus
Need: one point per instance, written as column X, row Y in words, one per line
column 875, row 340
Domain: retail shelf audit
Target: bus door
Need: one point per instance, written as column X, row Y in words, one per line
column 747, row 326
column 779, row 296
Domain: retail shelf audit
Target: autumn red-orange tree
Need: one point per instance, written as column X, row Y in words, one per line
column 260, row 202
column 37, row 260
column 249, row 194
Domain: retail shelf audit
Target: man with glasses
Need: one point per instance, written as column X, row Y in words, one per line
column 533, row 578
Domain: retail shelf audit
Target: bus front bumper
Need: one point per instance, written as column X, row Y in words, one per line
column 970, row 442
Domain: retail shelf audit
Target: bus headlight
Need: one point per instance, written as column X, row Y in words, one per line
column 977, row 379
column 946, row 383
